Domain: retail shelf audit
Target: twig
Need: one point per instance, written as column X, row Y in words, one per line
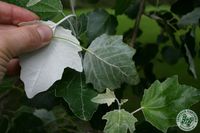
column 137, row 23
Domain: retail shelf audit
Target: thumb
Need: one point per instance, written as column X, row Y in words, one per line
column 24, row 39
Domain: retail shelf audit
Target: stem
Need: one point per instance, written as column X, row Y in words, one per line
column 73, row 43
column 119, row 104
column 72, row 4
column 167, row 24
column 157, row 5
column 137, row 23
column 79, row 46
column 137, row 110
column 63, row 14
column 62, row 20
column 72, row 28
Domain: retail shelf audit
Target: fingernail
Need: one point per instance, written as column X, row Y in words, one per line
column 45, row 33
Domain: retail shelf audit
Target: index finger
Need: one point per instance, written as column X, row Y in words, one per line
column 11, row 14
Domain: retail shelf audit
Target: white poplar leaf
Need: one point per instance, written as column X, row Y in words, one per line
column 105, row 98
column 40, row 69
column 32, row 2
column 119, row 121
column 123, row 101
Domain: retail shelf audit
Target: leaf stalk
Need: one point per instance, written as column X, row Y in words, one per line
column 137, row 110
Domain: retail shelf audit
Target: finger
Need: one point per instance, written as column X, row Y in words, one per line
column 7, row 27
column 13, row 67
column 11, row 14
column 24, row 39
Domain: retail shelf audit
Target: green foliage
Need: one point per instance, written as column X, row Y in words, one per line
column 21, row 3
column 46, row 9
column 106, row 24
column 170, row 54
column 7, row 83
column 32, row 2
column 191, row 18
column 162, row 102
column 78, row 25
column 119, row 121
column 109, row 62
column 106, row 98
column 77, row 94
column 121, row 6
column 32, row 124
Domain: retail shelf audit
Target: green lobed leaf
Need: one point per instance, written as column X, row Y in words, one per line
column 108, row 63
column 119, row 121
column 171, row 54
column 21, row 3
column 45, row 115
column 27, row 123
column 78, row 25
column 123, row 101
column 100, row 22
column 191, row 18
column 7, row 83
column 24, row 121
column 162, row 102
column 190, row 61
column 181, row 7
column 121, row 6
column 61, row 122
column 105, row 98
column 32, row 2
column 133, row 9
column 77, row 94
column 46, row 9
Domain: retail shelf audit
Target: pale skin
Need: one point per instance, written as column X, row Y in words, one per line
column 15, row 40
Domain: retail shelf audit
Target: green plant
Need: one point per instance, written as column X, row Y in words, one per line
column 109, row 61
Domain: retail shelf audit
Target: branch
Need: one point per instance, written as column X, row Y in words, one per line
column 137, row 23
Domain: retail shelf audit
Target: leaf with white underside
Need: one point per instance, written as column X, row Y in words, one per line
column 106, row 98
column 32, row 2
column 190, row 61
column 77, row 94
column 119, row 121
column 123, row 101
column 40, row 69
column 108, row 63
column 192, row 18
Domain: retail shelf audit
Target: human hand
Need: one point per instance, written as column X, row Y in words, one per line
column 14, row 40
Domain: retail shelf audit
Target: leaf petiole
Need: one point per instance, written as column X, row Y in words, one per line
column 119, row 104
column 62, row 20
column 137, row 110
column 87, row 50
